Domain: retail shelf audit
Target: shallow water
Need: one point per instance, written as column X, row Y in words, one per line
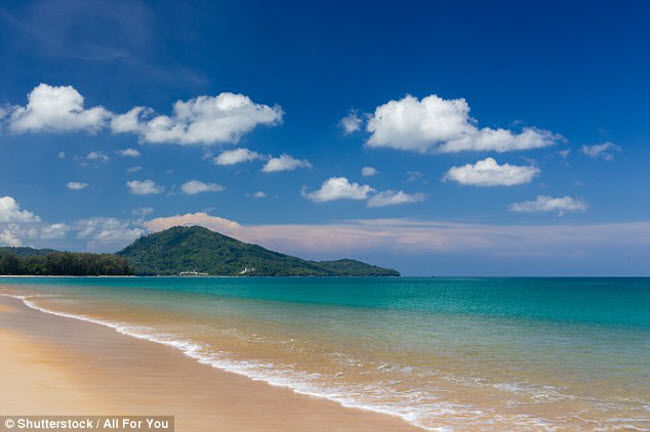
column 445, row 354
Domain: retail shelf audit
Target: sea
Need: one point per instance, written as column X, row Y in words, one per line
column 444, row 354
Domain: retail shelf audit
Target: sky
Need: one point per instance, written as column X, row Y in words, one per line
column 437, row 138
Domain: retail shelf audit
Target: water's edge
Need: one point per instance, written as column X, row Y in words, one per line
column 192, row 350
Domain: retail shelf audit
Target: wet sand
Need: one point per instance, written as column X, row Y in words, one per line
column 51, row 365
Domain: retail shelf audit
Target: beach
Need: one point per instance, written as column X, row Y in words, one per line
column 266, row 354
column 51, row 365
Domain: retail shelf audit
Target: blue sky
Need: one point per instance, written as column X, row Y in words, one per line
column 509, row 140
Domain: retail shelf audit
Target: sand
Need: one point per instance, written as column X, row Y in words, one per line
column 51, row 365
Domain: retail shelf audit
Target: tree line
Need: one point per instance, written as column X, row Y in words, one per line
column 64, row 264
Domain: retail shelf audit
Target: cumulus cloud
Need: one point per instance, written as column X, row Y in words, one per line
column 18, row 225
column 16, row 234
column 56, row 109
column 201, row 120
column 133, row 169
column 351, row 123
column 434, row 124
column 76, row 185
column 129, row 152
column 103, row 233
column 8, row 238
column 488, row 172
column 605, row 150
column 194, row 187
column 390, row 198
column 368, row 171
column 10, row 211
column 259, row 194
column 285, row 163
column 96, row 156
column 232, row 157
column 337, row 188
column 545, row 203
column 145, row 187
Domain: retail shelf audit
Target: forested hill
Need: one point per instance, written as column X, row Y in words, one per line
column 198, row 250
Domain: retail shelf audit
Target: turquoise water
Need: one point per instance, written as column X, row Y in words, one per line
column 448, row 354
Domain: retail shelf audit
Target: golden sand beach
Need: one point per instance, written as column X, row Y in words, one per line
column 51, row 365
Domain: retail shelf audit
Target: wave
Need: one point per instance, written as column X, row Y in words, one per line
column 256, row 371
column 417, row 409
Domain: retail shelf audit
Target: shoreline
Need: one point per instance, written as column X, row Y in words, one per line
column 105, row 370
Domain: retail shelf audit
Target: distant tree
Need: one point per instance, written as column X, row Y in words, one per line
column 64, row 264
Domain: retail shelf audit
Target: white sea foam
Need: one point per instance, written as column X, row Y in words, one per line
column 299, row 382
column 417, row 408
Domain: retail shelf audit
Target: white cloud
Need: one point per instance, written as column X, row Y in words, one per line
column 8, row 238
column 232, row 157
column 61, row 155
column 564, row 153
column 10, row 211
column 488, row 172
column 107, row 233
column 202, row 219
column 133, row 169
column 97, row 156
column 145, row 187
column 368, row 171
column 259, row 194
column 439, row 125
column 545, row 203
column 201, row 120
column 285, row 163
column 604, row 150
column 129, row 152
column 76, row 185
column 56, row 109
column 16, row 234
column 194, row 187
column 17, row 226
column 337, row 188
column 51, row 231
column 390, row 197
column 351, row 123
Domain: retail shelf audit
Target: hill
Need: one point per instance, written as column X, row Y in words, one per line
column 197, row 249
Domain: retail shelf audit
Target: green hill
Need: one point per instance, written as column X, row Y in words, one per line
column 196, row 249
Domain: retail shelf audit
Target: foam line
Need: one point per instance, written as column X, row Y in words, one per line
column 192, row 350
